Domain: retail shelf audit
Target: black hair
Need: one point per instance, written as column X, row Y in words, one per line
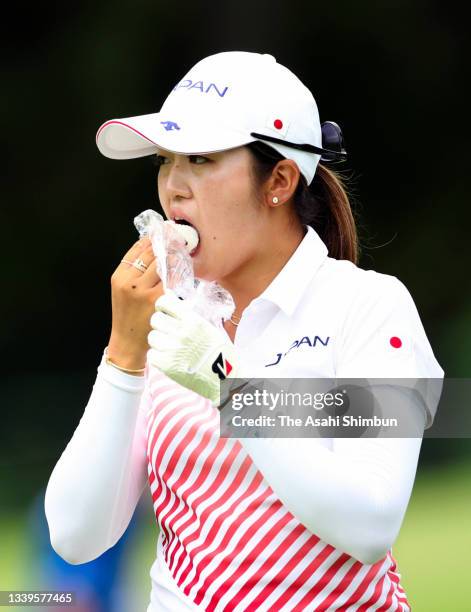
column 324, row 204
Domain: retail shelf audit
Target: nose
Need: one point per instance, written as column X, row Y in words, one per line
column 175, row 182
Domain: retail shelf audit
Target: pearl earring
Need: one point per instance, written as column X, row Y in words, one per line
column 275, row 200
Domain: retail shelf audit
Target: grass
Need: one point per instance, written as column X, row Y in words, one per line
column 433, row 547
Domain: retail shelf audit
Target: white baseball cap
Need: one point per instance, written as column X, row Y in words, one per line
column 225, row 101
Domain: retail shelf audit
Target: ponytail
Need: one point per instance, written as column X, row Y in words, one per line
column 324, row 204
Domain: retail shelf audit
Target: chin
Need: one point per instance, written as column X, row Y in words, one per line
column 211, row 268
column 202, row 273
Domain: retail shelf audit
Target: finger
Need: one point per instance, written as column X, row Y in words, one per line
column 159, row 359
column 163, row 342
column 146, row 255
column 162, row 322
column 136, row 250
column 171, row 305
column 156, row 358
column 147, row 278
column 150, row 277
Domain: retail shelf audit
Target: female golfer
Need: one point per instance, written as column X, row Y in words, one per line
column 246, row 524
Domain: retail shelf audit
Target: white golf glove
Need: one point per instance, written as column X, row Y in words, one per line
column 189, row 349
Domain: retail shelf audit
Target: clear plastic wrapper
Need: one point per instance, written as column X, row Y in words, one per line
column 175, row 268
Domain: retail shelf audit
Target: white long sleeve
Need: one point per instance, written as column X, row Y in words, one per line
column 96, row 484
column 354, row 496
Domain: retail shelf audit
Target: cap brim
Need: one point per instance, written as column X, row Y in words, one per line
column 144, row 135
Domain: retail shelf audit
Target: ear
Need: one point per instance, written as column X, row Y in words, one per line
column 282, row 183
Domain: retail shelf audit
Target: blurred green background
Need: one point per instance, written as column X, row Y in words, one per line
column 391, row 73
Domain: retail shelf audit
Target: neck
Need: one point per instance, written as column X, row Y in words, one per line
column 250, row 280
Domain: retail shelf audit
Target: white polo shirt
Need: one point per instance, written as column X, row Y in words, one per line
column 318, row 318
column 323, row 317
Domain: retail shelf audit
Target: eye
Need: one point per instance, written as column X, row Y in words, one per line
column 198, row 159
column 159, row 160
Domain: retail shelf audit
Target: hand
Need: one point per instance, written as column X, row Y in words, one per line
column 189, row 349
column 133, row 296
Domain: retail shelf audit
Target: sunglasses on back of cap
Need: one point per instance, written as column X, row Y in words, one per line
column 333, row 146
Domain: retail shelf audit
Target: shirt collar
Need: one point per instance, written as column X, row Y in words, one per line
column 288, row 287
